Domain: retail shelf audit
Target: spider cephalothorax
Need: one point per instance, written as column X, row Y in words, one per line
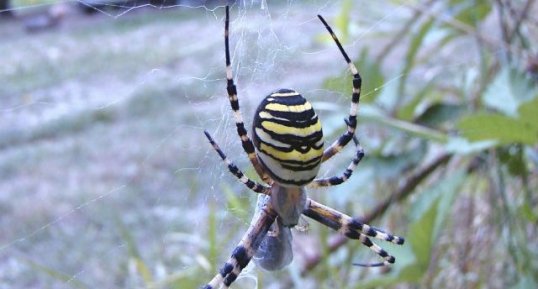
column 286, row 152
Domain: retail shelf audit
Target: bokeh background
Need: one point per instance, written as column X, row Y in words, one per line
column 107, row 181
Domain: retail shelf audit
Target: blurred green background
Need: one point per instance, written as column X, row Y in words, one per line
column 106, row 180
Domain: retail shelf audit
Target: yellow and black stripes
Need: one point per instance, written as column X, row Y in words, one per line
column 255, row 186
column 336, row 180
column 246, row 143
column 353, row 229
column 245, row 250
column 287, row 150
column 355, row 97
column 288, row 136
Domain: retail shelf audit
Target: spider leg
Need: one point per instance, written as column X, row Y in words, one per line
column 353, row 229
column 246, row 142
column 336, row 180
column 245, row 250
column 351, row 122
column 253, row 185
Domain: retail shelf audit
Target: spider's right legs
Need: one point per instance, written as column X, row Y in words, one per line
column 245, row 250
column 352, row 228
column 246, row 142
column 351, row 122
column 336, row 180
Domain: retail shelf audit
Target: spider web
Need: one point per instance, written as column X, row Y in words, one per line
column 106, row 178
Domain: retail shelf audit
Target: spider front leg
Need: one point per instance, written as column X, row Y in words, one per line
column 245, row 250
column 351, row 122
column 353, row 229
column 246, row 142
column 253, row 185
column 336, row 180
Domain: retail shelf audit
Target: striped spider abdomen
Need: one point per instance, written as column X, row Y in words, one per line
column 288, row 137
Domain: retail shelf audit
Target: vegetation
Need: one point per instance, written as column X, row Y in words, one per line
column 107, row 181
column 472, row 220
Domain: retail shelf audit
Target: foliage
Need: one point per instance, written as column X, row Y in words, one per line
column 436, row 81
column 485, row 113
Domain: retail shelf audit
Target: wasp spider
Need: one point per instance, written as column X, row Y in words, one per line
column 286, row 152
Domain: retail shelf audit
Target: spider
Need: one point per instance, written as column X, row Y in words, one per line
column 286, row 151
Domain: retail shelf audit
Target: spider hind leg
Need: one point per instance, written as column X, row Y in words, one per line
column 352, row 228
column 246, row 248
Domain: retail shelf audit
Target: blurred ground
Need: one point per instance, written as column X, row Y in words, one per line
column 101, row 145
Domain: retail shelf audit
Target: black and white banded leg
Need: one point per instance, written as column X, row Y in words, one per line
column 353, row 229
column 336, row 180
column 253, row 185
column 344, row 139
column 245, row 250
column 246, row 142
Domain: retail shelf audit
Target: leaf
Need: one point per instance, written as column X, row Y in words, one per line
column 407, row 111
column 416, row 43
column 459, row 145
column 396, row 162
column 505, row 130
column 471, row 12
column 371, row 113
column 428, row 216
column 372, row 79
column 342, row 21
column 508, row 91
column 525, row 210
column 528, row 113
column 438, row 113
column 512, row 156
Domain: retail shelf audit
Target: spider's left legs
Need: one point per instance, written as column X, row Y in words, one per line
column 246, row 142
column 246, row 248
column 336, row 180
column 351, row 122
column 253, row 185
column 353, row 229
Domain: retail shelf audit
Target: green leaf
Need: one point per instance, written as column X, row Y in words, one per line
column 421, row 237
column 372, row 79
column 508, row 91
column 407, row 111
column 459, row 145
column 505, row 130
column 525, row 210
column 371, row 113
column 471, row 12
column 342, row 21
column 514, row 159
column 416, row 43
column 428, row 215
column 528, row 113
column 439, row 113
